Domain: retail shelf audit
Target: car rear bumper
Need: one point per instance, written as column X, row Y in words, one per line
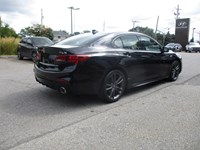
column 58, row 81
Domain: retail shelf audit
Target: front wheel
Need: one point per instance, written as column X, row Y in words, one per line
column 175, row 70
column 113, row 86
column 19, row 56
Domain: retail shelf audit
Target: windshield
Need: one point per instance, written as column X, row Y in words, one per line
column 81, row 39
column 41, row 41
column 170, row 44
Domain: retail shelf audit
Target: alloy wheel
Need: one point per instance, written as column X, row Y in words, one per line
column 114, row 85
column 175, row 70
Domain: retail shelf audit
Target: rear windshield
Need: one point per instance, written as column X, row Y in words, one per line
column 82, row 39
column 42, row 41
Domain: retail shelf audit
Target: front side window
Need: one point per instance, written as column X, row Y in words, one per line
column 148, row 44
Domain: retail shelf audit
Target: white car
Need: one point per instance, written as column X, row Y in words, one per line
column 193, row 47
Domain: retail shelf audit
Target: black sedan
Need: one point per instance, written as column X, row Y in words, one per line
column 28, row 46
column 105, row 64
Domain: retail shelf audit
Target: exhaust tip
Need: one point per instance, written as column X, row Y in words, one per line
column 62, row 90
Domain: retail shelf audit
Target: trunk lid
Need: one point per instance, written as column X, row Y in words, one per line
column 58, row 58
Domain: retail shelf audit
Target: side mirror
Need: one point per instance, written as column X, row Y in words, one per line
column 164, row 49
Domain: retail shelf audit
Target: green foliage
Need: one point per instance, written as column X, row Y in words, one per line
column 161, row 38
column 6, row 31
column 169, row 38
column 8, row 46
column 145, row 30
column 37, row 30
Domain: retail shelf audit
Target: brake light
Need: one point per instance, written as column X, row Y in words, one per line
column 37, row 55
column 75, row 59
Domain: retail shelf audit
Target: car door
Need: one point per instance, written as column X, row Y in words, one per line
column 156, row 64
column 28, row 48
column 22, row 46
column 135, row 64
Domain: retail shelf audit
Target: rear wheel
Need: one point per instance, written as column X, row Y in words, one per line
column 175, row 70
column 113, row 86
column 19, row 56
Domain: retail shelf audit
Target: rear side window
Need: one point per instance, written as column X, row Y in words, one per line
column 29, row 41
column 126, row 42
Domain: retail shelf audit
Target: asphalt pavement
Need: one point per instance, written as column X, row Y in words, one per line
column 160, row 116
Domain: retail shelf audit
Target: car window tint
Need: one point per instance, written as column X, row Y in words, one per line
column 129, row 41
column 29, row 41
column 41, row 41
column 82, row 39
column 148, row 44
column 117, row 43
column 23, row 40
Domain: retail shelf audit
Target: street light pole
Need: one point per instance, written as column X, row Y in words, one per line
column 72, row 8
column 193, row 34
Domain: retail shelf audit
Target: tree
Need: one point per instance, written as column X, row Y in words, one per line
column 37, row 30
column 6, row 31
column 161, row 38
column 145, row 30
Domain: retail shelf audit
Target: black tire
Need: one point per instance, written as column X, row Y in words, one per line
column 34, row 57
column 113, row 86
column 175, row 70
column 19, row 56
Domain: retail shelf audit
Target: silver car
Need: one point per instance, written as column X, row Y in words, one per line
column 176, row 47
column 192, row 47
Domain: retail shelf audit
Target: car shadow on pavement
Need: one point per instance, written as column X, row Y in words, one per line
column 44, row 101
column 38, row 102
column 139, row 89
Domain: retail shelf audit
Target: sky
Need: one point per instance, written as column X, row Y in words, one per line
column 101, row 15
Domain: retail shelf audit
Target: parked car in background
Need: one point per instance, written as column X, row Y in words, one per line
column 28, row 46
column 105, row 64
column 176, row 47
column 193, row 47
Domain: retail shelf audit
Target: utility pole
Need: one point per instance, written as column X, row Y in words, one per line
column 177, row 13
column 0, row 26
column 156, row 27
column 134, row 21
column 193, row 34
column 72, row 8
column 42, row 16
column 104, row 24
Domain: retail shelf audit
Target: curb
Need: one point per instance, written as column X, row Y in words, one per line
column 8, row 56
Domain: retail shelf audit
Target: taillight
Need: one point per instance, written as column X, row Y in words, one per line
column 74, row 59
column 37, row 55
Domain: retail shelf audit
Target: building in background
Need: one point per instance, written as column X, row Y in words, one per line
column 60, row 35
